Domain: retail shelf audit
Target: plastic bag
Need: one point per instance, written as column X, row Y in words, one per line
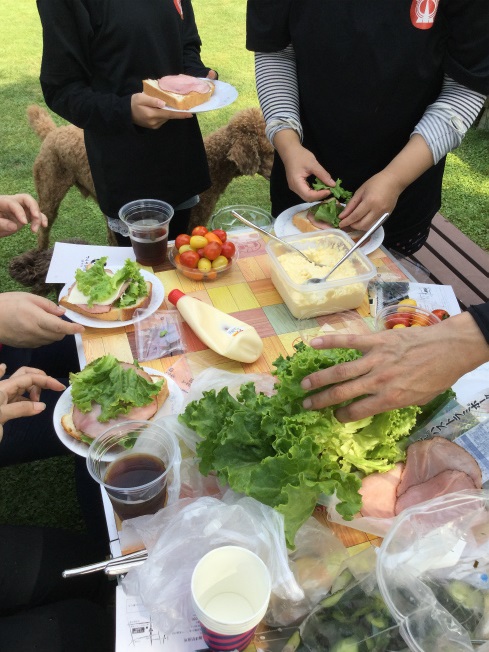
column 433, row 571
column 179, row 535
column 315, row 562
column 353, row 617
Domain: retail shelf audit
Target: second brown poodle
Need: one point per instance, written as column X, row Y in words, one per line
column 236, row 149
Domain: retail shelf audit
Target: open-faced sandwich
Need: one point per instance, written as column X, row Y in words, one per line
column 325, row 214
column 100, row 293
column 107, row 392
column 180, row 91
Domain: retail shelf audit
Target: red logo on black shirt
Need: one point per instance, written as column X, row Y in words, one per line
column 423, row 13
column 178, row 5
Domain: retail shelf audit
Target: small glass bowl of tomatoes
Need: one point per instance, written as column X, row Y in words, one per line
column 401, row 315
column 203, row 255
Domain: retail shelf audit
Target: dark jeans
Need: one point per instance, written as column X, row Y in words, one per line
column 39, row 610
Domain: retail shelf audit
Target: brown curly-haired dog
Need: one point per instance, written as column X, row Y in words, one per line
column 236, row 149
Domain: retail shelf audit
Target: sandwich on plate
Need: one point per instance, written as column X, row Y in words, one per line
column 108, row 391
column 100, row 293
column 180, row 91
column 325, row 214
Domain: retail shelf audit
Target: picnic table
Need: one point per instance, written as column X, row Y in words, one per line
column 248, row 293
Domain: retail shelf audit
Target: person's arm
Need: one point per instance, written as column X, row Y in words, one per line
column 278, row 94
column 440, row 130
column 27, row 320
column 192, row 62
column 18, row 210
column 408, row 366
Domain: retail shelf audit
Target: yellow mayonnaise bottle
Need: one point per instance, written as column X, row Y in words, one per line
column 222, row 333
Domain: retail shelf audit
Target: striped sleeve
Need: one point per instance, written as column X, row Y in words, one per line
column 278, row 92
column 446, row 121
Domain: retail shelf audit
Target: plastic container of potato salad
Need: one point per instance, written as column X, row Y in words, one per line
column 345, row 289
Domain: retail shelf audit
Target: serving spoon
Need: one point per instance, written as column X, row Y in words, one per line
column 357, row 244
column 274, row 237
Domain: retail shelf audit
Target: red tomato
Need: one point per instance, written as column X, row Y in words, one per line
column 182, row 239
column 221, row 234
column 228, row 249
column 402, row 318
column 189, row 259
column 212, row 250
column 441, row 314
column 201, row 252
column 199, row 230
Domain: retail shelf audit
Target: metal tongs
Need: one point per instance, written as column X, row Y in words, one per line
column 114, row 566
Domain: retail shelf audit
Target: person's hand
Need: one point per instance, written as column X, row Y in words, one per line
column 378, row 195
column 300, row 164
column 27, row 320
column 401, row 367
column 14, row 403
column 212, row 74
column 18, row 210
column 150, row 112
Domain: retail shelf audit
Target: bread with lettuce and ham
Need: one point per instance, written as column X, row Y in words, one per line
column 100, row 293
column 108, row 391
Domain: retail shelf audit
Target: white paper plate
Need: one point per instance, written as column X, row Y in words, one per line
column 157, row 296
column 172, row 405
column 224, row 95
column 283, row 226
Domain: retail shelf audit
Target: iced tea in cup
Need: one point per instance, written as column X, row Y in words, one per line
column 134, row 460
column 230, row 590
column 148, row 221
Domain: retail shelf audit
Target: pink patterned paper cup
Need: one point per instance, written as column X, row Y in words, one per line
column 230, row 590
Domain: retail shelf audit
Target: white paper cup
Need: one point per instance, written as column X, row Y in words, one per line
column 230, row 590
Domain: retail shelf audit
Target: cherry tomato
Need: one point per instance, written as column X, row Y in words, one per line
column 198, row 242
column 220, row 262
column 199, row 230
column 184, row 247
column 201, row 252
column 403, row 318
column 182, row 239
column 441, row 314
column 193, row 274
column 212, row 237
column 204, row 265
column 221, row 234
column 228, row 249
column 407, row 305
column 212, row 250
column 189, row 259
column 421, row 320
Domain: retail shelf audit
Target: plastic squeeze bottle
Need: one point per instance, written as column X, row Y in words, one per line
column 222, row 333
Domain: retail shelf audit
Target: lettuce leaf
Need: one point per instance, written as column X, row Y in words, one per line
column 98, row 286
column 329, row 210
column 115, row 388
column 270, row 448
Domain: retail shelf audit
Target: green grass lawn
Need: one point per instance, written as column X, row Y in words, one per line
column 28, row 493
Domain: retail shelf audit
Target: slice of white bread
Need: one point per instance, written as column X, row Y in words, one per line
column 70, row 429
column 301, row 222
column 114, row 314
column 176, row 100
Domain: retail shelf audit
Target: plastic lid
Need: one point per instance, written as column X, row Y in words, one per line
column 175, row 295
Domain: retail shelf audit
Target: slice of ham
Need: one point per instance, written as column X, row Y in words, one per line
column 89, row 424
column 378, row 492
column 183, row 84
column 445, row 482
column 430, row 457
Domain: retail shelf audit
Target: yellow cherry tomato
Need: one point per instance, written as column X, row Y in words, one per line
column 198, row 242
column 399, row 326
column 407, row 305
column 204, row 265
column 185, row 247
column 220, row 262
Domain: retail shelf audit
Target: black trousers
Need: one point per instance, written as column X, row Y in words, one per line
column 39, row 610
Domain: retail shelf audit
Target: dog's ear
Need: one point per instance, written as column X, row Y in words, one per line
column 244, row 154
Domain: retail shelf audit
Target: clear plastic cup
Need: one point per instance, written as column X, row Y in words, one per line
column 134, row 461
column 230, row 590
column 148, row 222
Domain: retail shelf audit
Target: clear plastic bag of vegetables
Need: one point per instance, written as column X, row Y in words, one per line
column 353, row 618
column 433, row 573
